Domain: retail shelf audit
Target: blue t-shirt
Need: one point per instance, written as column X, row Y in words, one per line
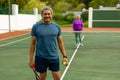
column 46, row 34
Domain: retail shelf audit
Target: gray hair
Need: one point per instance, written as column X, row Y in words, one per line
column 46, row 8
column 78, row 16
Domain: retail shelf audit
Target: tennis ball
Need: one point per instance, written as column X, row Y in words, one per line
column 64, row 63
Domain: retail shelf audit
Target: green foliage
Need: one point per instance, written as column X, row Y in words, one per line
column 61, row 6
column 34, row 4
column 86, row 2
column 3, row 10
column 26, row 11
column 79, row 7
column 84, row 16
column 3, row 3
column 69, row 17
column 21, row 3
column 4, row 6
column 74, row 2
column 62, row 20
column 57, row 5
column 97, row 3
column 50, row 2
column 58, row 17
column 28, row 8
column 85, row 24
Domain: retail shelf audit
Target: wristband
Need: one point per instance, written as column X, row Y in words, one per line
column 64, row 56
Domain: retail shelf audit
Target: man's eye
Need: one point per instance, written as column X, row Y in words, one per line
column 46, row 14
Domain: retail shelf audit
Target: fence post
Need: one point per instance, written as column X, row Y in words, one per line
column 36, row 14
column 15, row 13
column 14, row 9
column 90, row 16
column 35, row 11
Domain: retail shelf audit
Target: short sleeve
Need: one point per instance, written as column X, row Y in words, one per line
column 33, row 32
column 59, row 30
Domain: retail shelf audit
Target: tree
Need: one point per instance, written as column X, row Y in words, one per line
column 79, row 7
column 86, row 2
column 34, row 4
column 61, row 6
column 3, row 3
column 4, row 6
column 21, row 3
column 50, row 2
column 97, row 3
column 77, row 2
column 73, row 2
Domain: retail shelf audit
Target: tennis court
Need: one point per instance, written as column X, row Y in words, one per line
column 98, row 59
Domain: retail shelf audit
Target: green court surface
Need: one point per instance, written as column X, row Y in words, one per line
column 98, row 59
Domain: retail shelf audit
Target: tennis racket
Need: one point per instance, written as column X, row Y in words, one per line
column 35, row 72
column 82, row 37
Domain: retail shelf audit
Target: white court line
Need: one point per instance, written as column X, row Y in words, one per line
column 13, row 42
column 69, row 62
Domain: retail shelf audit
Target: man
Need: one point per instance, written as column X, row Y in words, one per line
column 44, row 38
column 77, row 28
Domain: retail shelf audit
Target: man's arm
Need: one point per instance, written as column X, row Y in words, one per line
column 32, row 50
column 62, row 49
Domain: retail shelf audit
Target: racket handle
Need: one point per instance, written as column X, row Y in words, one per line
column 33, row 67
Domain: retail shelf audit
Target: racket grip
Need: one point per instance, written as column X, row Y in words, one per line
column 33, row 67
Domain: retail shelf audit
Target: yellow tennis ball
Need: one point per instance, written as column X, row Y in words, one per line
column 64, row 63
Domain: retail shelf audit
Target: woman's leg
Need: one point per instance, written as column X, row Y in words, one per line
column 76, row 39
column 79, row 35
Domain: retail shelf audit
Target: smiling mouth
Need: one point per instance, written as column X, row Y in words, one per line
column 47, row 18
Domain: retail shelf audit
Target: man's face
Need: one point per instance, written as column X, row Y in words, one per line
column 47, row 16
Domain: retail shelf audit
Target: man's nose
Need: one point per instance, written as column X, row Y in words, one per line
column 47, row 15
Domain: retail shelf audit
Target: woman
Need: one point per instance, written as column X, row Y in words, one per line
column 77, row 28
